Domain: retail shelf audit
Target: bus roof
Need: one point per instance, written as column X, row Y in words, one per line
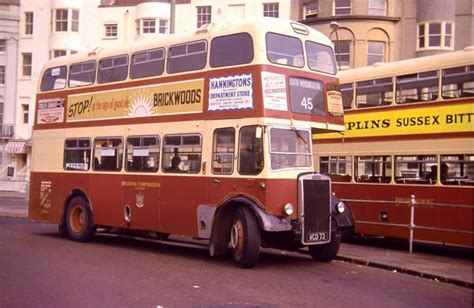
column 257, row 26
column 403, row 67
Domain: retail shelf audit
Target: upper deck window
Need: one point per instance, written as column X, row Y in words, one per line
column 320, row 58
column 231, row 50
column 375, row 92
column 187, row 57
column 417, row 87
column 347, row 92
column 82, row 74
column 113, row 69
column 148, row 63
column 458, row 81
column 283, row 49
column 54, row 78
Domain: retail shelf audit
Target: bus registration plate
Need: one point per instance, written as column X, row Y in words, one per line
column 317, row 237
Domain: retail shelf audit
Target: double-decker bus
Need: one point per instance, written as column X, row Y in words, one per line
column 409, row 131
column 206, row 135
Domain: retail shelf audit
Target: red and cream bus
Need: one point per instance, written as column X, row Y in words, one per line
column 409, row 131
column 206, row 135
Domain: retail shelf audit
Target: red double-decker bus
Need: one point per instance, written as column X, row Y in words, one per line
column 206, row 135
column 409, row 132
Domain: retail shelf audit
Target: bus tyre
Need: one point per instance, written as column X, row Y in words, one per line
column 62, row 229
column 327, row 252
column 79, row 220
column 245, row 238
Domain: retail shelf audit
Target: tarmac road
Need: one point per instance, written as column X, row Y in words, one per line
column 41, row 269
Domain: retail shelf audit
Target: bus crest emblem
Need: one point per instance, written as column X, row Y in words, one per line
column 140, row 199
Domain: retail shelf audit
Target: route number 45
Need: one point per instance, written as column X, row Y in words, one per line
column 307, row 103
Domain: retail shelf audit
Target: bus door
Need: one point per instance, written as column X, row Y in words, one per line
column 182, row 186
column 105, row 181
column 140, row 185
column 225, row 163
column 222, row 184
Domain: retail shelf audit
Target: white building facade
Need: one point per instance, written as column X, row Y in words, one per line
column 47, row 29
column 9, row 26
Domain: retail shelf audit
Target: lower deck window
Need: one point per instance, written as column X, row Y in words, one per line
column 290, row 148
column 108, row 153
column 251, row 150
column 182, row 153
column 338, row 168
column 457, row 170
column 373, row 169
column 143, row 154
column 77, row 153
column 223, row 151
column 420, row 169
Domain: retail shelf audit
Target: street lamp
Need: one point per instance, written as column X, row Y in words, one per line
column 335, row 26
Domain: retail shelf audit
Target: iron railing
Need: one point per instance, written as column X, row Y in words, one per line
column 412, row 203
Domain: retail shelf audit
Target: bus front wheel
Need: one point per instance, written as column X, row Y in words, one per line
column 245, row 238
column 327, row 252
column 79, row 220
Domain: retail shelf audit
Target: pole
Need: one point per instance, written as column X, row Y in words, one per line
column 412, row 221
column 172, row 16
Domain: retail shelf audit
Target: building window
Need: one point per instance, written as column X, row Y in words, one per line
column 436, row 35
column 3, row 45
column 28, row 22
column 61, row 20
column 342, row 51
column 375, row 52
column 26, row 64
column 342, row 7
column 1, row 114
column 75, row 21
column 163, row 26
column 26, row 111
column 2, row 74
column 311, row 9
column 378, row 7
column 203, row 15
column 270, row 10
column 149, row 25
column 111, row 30
column 58, row 53
column 448, row 36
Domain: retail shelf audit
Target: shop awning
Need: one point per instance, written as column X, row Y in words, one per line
column 16, row 147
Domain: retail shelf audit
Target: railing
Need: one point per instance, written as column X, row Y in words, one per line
column 412, row 203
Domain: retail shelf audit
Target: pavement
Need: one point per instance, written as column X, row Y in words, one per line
column 439, row 265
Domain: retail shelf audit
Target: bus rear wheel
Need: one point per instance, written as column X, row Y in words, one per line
column 79, row 220
column 245, row 238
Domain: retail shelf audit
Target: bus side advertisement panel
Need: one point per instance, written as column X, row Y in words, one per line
column 433, row 119
column 155, row 100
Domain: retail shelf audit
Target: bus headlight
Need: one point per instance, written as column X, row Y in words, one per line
column 288, row 209
column 341, row 207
